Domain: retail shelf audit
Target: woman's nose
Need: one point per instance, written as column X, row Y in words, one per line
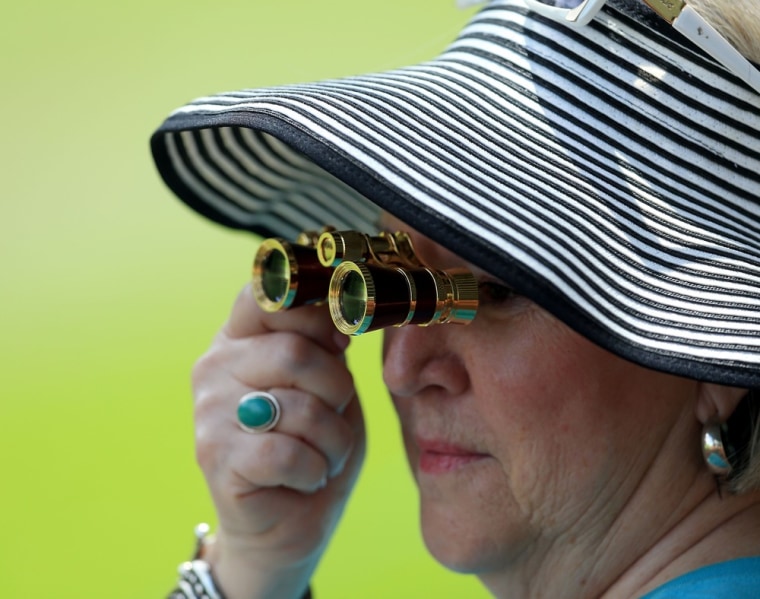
column 416, row 359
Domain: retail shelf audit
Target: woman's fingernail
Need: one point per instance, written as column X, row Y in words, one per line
column 338, row 470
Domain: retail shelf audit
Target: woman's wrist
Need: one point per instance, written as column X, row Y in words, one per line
column 199, row 578
column 240, row 573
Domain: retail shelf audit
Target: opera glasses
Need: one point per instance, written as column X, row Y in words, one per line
column 369, row 282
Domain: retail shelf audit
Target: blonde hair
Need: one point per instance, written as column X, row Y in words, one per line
column 737, row 20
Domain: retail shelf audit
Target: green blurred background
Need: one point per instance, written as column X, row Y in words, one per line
column 111, row 289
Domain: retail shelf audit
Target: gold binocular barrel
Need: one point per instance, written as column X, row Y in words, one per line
column 369, row 282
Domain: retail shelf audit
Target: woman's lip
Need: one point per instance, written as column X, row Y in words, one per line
column 438, row 457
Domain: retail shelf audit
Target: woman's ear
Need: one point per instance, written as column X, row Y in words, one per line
column 717, row 402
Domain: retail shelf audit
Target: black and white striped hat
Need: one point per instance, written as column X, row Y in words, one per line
column 611, row 173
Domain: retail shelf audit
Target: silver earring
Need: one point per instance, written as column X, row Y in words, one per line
column 714, row 451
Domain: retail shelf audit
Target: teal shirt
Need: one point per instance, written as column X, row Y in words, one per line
column 737, row 579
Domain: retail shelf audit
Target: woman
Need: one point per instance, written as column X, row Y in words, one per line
column 601, row 182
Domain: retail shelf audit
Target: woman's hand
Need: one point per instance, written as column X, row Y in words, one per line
column 278, row 494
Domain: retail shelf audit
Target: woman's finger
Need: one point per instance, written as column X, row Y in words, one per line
column 248, row 320
column 281, row 359
column 306, row 417
column 276, row 459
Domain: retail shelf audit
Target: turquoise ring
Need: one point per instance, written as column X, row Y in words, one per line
column 258, row 412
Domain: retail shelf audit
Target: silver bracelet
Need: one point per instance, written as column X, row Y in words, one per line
column 195, row 579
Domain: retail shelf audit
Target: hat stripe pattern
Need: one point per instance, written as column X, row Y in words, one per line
column 252, row 179
column 615, row 180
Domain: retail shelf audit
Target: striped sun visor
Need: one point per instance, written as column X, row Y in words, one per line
column 611, row 173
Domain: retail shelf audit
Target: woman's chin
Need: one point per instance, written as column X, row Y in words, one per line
column 461, row 546
column 451, row 554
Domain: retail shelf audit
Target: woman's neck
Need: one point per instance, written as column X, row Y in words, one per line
column 655, row 539
column 720, row 528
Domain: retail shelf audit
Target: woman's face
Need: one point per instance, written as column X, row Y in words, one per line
column 522, row 436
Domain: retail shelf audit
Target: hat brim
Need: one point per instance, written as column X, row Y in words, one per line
column 609, row 173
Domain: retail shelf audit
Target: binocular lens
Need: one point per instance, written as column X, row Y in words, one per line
column 287, row 275
column 353, row 299
column 275, row 276
column 275, row 272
